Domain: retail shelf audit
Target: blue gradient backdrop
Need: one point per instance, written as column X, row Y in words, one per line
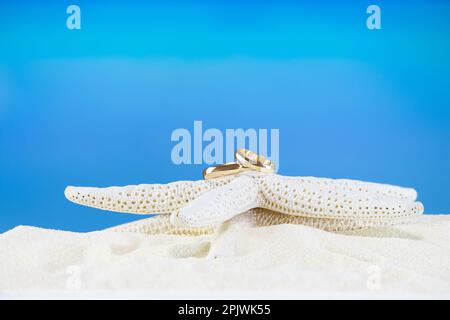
column 97, row 106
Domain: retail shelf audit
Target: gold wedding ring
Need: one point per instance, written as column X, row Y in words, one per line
column 246, row 160
column 222, row 170
column 254, row 161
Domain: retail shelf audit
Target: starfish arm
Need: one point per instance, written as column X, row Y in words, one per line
column 160, row 224
column 257, row 217
column 263, row 217
column 143, row 198
column 219, row 204
column 377, row 188
column 328, row 198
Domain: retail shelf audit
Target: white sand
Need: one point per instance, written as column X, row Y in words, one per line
column 284, row 261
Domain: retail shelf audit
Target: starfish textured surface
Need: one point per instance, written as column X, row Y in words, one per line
column 257, row 217
column 205, row 204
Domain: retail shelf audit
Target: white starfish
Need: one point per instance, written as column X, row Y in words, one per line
column 200, row 207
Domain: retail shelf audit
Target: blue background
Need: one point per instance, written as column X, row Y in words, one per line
column 97, row 106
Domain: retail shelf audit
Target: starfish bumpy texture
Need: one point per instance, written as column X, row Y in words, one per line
column 200, row 207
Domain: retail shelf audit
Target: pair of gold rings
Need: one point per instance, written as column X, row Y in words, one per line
column 246, row 160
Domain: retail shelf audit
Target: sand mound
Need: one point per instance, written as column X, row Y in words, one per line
column 284, row 261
